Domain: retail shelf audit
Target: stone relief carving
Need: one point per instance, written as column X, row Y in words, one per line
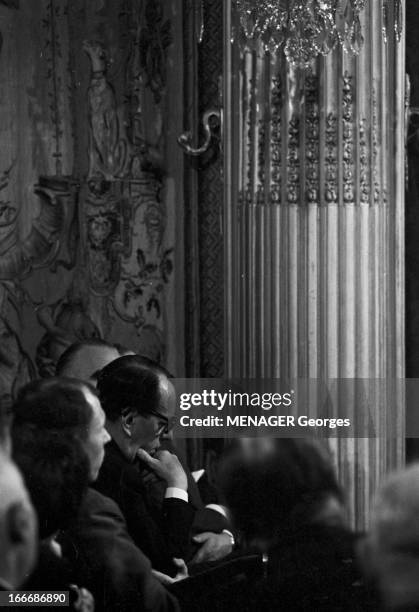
column 16, row 367
column 54, row 53
column 139, row 296
column 64, row 322
column 331, row 188
column 18, row 257
column 147, row 72
column 155, row 36
column 106, row 233
column 108, row 148
column 364, row 163
column 276, row 140
column 261, row 161
column 312, row 146
column 123, row 221
column 348, row 140
column 293, row 161
column 354, row 142
column 111, row 227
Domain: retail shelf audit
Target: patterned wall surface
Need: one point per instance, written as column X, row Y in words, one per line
column 86, row 217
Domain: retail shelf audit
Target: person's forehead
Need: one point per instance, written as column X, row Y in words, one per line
column 94, row 402
column 167, row 394
column 96, row 358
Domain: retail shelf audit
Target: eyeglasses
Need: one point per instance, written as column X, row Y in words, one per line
column 165, row 426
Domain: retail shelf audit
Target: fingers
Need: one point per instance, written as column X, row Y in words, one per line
column 200, row 556
column 163, row 578
column 182, row 569
column 144, row 456
column 200, row 538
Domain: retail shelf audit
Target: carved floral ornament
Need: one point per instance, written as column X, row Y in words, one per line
column 305, row 29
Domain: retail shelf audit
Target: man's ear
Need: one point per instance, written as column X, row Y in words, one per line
column 127, row 420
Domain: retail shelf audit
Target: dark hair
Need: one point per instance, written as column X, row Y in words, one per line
column 277, row 489
column 55, row 468
column 129, row 382
column 153, row 366
column 69, row 356
column 54, row 404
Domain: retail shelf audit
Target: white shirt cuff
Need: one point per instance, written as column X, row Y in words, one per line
column 217, row 508
column 227, row 532
column 177, row 493
column 198, row 474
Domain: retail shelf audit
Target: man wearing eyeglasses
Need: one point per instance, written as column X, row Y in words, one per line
column 138, row 402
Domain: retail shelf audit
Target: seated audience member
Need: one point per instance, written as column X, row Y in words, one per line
column 56, row 473
column 390, row 553
column 18, row 528
column 285, row 501
column 212, row 538
column 106, row 559
column 84, row 360
column 138, row 405
column 211, row 531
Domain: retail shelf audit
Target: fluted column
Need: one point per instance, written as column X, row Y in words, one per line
column 314, row 226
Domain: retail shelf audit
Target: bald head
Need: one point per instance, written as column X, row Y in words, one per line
column 18, row 526
column 85, row 359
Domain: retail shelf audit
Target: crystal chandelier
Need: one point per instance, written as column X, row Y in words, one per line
column 303, row 28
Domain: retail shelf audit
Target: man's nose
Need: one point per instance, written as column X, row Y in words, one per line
column 167, row 435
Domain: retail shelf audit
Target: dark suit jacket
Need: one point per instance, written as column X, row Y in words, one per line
column 161, row 535
column 204, row 519
column 108, row 562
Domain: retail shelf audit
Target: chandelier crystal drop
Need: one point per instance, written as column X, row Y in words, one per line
column 303, row 28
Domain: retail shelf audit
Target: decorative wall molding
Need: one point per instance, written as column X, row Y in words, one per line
column 92, row 251
column 19, row 257
column 108, row 147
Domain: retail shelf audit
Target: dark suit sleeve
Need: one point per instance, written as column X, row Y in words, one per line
column 178, row 517
column 114, row 569
column 207, row 519
column 161, row 535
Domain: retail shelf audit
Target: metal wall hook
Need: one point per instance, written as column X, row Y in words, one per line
column 185, row 139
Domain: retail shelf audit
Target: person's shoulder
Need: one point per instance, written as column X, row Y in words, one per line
column 117, row 473
column 102, row 526
column 97, row 508
column 95, row 500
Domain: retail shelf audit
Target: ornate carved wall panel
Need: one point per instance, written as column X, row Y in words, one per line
column 88, row 190
column 36, row 224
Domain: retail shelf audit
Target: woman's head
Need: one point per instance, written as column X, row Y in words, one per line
column 67, row 406
column 56, row 471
